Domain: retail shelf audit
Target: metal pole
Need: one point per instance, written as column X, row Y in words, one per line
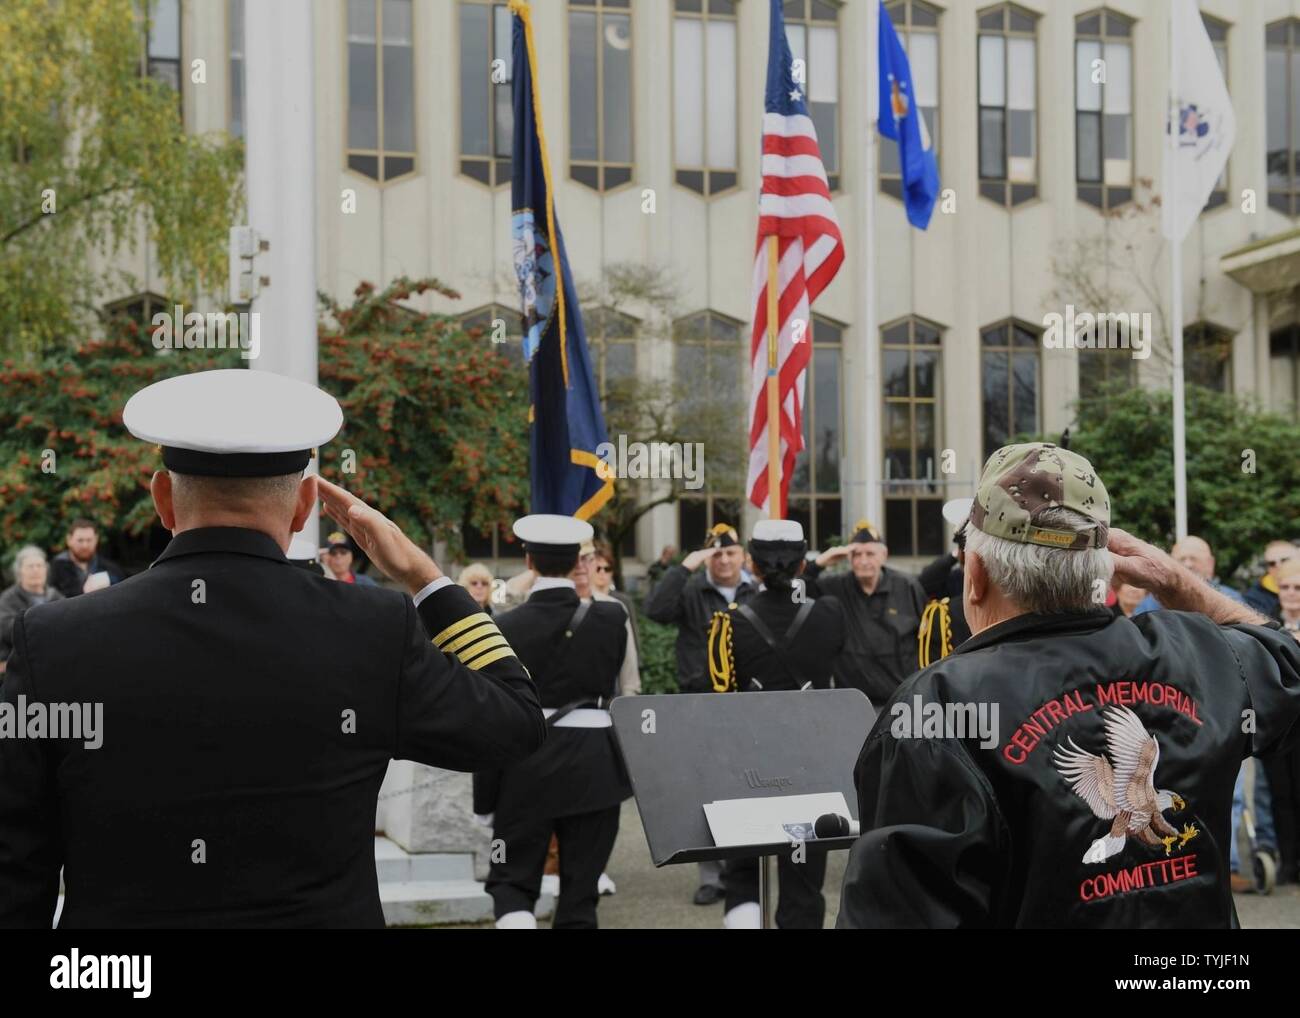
column 773, row 386
column 280, row 170
column 870, row 345
column 1176, row 297
column 764, row 891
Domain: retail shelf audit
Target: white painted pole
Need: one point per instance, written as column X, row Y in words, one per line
column 872, row 495
column 1176, row 296
column 280, row 170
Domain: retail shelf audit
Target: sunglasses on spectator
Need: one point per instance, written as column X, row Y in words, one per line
column 604, row 569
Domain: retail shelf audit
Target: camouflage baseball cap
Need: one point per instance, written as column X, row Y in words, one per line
column 1021, row 481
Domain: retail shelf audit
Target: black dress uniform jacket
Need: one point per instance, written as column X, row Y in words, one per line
column 249, row 713
column 688, row 600
column 956, row 834
column 809, row 655
column 880, row 643
column 577, row 770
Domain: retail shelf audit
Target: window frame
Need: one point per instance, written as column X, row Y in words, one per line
column 1009, row 198
column 834, row 179
column 147, row 60
column 600, row 8
column 1124, row 194
column 237, row 109
column 497, row 176
column 704, row 16
column 913, row 490
column 708, row 495
column 380, row 153
column 1010, row 348
column 1289, row 195
column 815, row 496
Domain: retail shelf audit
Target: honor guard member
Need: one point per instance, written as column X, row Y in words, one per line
column 687, row 597
column 1065, row 767
column 943, row 623
column 882, row 608
column 573, row 785
column 235, row 777
column 780, row 640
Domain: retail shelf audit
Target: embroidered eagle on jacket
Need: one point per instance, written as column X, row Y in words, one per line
column 1122, row 789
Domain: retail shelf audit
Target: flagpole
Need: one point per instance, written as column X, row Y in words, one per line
column 773, row 387
column 1176, row 296
column 870, row 345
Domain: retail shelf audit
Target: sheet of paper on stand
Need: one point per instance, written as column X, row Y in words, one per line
column 770, row 820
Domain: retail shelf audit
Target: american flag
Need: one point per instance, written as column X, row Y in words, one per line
column 795, row 206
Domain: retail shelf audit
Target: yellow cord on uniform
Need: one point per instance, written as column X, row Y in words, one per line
column 721, row 654
column 934, row 610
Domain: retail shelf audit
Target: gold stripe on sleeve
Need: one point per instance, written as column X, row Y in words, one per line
column 465, row 639
column 482, row 661
column 459, row 626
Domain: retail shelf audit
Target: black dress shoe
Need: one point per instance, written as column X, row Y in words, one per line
column 709, row 894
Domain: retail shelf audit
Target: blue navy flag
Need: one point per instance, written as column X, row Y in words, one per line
column 567, row 425
column 901, row 119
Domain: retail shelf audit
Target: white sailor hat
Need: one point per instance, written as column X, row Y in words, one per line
column 956, row 511
column 547, row 532
column 783, row 531
column 234, row 422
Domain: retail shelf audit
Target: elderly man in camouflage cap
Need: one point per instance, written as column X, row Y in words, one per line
column 1066, row 767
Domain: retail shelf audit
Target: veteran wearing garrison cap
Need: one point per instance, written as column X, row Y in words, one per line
column 687, row 597
column 241, row 758
column 882, row 609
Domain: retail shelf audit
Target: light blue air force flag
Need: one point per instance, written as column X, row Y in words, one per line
column 901, row 120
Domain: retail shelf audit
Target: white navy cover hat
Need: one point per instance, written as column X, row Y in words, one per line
column 782, row 531
column 956, row 511
column 548, row 532
column 234, row 422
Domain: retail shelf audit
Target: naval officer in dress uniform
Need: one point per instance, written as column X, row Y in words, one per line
column 241, row 757
column 573, row 785
column 782, row 639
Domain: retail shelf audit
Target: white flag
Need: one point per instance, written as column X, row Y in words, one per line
column 1200, row 138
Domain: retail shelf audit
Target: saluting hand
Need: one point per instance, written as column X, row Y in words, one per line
column 695, row 559
column 379, row 537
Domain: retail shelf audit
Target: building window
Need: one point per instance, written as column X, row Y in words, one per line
column 1284, row 370
column 911, row 357
column 1218, row 33
column 1008, row 121
column 162, row 57
column 237, row 68
column 600, row 93
column 1103, row 109
column 1282, row 75
column 712, row 390
column 815, row 485
column 1099, row 371
column 1207, row 356
column 487, row 112
column 381, row 89
column 1010, row 368
column 139, row 310
column 705, row 116
column 917, row 25
column 811, row 27
column 611, row 340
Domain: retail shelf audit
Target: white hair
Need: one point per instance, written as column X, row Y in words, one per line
column 1042, row 579
column 24, row 553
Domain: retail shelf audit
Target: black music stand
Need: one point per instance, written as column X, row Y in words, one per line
column 692, row 749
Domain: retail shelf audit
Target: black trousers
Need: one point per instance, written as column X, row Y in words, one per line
column 585, row 841
column 801, row 905
column 1283, row 772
